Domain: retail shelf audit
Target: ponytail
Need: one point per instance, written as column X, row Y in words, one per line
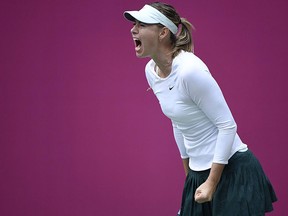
column 183, row 39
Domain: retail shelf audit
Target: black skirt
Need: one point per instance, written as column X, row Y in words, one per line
column 244, row 190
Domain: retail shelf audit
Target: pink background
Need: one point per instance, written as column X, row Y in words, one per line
column 79, row 134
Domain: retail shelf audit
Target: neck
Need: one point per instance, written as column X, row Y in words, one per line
column 163, row 64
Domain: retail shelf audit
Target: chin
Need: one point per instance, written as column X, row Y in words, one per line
column 141, row 55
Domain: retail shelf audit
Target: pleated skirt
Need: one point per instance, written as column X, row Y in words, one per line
column 244, row 190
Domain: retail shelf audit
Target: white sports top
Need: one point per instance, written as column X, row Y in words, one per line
column 204, row 128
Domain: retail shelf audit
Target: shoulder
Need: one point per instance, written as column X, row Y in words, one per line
column 190, row 67
column 149, row 68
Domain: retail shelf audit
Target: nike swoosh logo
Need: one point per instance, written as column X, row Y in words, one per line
column 170, row 88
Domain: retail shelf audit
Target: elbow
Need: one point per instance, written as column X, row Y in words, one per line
column 233, row 128
column 229, row 127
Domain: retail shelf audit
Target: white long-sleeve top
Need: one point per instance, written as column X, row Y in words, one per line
column 204, row 128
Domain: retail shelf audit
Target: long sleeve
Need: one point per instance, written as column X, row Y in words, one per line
column 203, row 126
column 205, row 92
column 179, row 141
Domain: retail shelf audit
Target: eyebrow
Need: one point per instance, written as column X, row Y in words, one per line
column 135, row 21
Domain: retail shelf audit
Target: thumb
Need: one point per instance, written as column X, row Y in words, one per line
column 197, row 195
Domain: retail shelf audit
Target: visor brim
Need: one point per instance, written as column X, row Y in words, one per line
column 141, row 17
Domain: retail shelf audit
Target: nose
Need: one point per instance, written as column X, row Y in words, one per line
column 134, row 29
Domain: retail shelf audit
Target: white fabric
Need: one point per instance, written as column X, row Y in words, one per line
column 204, row 128
column 151, row 15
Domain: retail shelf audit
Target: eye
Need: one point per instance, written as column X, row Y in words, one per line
column 139, row 24
column 142, row 24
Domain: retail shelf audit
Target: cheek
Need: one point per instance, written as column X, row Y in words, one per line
column 152, row 40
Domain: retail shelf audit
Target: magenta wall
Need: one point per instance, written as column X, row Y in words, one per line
column 79, row 134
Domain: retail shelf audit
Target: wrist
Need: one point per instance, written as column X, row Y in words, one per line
column 215, row 174
column 213, row 182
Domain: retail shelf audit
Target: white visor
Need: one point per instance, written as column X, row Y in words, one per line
column 151, row 15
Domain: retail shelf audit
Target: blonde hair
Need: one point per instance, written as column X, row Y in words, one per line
column 183, row 39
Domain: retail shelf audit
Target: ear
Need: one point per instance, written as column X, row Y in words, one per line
column 163, row 33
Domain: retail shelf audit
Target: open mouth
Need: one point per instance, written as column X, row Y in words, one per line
column 138, row 43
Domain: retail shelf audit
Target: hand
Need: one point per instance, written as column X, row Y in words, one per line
column 204, row 192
